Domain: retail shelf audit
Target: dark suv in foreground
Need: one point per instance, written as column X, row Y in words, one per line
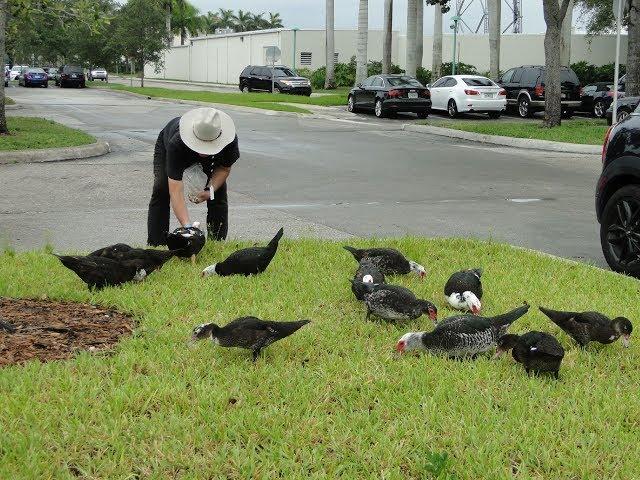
column 71, row 76
column 286, row 80
column 618, row 196
column 525, row 90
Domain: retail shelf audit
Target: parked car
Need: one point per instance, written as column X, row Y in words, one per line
column 525, row 89
column 468, row 93
column 34, row 77
column 53, row 73
column 286, row 80
column 390, row 94
column 97, row 74
column 618, row 196
column 626, row 105
column 596, row 98
column 15, row 71
column 71, row 75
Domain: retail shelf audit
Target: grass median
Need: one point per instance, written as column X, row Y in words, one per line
column 266, row 101
column 589, row 132
column 333, row 400
column 33, row 133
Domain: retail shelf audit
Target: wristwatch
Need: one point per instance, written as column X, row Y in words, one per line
column 211, row 193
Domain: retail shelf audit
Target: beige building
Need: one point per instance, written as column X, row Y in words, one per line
column 221, row 58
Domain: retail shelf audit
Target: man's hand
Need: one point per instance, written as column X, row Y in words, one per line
column 203, row 196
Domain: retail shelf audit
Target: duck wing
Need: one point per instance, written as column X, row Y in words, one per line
column 577, row 325
column 112, row 251
column 466, row 280
column 97, row 272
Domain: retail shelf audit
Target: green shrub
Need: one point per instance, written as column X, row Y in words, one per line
column 589, row 73
column 423, row 75
column 461, row 69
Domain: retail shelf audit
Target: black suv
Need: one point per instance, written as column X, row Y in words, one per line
column 525, row 89
column 618, row 196
column 286, row 80
column 70, row 75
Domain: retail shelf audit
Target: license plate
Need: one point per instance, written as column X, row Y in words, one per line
column 413, row 94
column 74, row 76
column 487, row 95
column 563, row 96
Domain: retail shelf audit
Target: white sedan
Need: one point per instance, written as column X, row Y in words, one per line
column 468, row 93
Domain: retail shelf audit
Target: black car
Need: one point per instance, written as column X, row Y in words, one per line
column 525, row 89
column 34, row 77
column 618, row 196
column 626, row 105
column 389, row 94
column 71, row 76
column 285, row 80
column 596, row 99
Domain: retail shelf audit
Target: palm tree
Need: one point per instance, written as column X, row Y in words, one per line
column 412, row 10
column 436, row 63
column 329, row 79
column 258, row 22
column 185, row 18
column 363, row 31
column 565, row 54
column 226, row 18
column 419, row 33
column 168, row 4
column 210, row 22
column 274, row 20
column 388, row 36
column 242, row 21
column 494, row 7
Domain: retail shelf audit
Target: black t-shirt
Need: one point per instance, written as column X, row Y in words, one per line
column 179, row 156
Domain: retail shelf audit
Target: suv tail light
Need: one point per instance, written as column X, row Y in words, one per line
column 471, row 92
column 539, row 90
column 606, row 143
column 502, row 93
column 424, row 93
column 394, row 93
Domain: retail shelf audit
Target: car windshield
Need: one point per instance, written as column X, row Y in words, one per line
column 566, row 76
column 403, row 81
column 36, row 70
column 478, row 82
column 285, row 72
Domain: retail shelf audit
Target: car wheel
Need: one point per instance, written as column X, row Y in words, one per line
column 494, row 115
column 277, row 90
column 245, row 88
column 452, row 108
column 598, row 109
column 620, row 230
column 523, row 107
column 46, row 85
column 378, row 109
column 622, row 114
column 351, row 106
column 423, row 115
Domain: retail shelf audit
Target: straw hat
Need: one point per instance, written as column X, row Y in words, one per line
column 207, row 130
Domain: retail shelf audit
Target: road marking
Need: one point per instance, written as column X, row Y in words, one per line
column 524, row 200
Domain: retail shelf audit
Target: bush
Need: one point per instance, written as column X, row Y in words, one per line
column 589, row 73
column 461, row 69
column 423, row 75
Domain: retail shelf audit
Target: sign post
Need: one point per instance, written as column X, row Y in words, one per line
column 273, row 55
column 618, row 8
column 456, row 19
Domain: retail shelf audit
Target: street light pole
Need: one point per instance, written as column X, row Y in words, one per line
column 295, row 31
column 456, row 19
column 618, row 8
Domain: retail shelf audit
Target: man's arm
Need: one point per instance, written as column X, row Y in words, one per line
column 176, row 192
column 218, row 177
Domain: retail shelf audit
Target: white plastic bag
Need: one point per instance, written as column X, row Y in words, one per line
column 194, row 181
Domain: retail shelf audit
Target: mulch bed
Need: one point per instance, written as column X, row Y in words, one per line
column 49, row 330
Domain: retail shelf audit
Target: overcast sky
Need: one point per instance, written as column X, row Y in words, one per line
column 310, row 13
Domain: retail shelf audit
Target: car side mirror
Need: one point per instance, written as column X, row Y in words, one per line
column 428, row 85
column 359, row 85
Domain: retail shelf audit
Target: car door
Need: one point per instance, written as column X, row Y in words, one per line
column 586, row 97
column 505, row 82
column 361, row 93
column 437, row 94
column 372, row 92
column 448, row 90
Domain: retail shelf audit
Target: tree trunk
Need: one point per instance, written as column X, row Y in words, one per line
column 388, row 36
column 183, row 35
column 329, row 79
column 495, row 12
column 565, row 54
column 632, row 86
column 419, row 33
column 167, row 21
column 553, row 17
column 436, row 63
column 412, row 10
column 363, row 31
column 3, row 20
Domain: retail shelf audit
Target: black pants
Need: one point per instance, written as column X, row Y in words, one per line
column 159, row 206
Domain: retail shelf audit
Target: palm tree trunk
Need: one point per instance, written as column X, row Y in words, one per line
column 388, row 36
column 3, row 20
column 167, row 21
column 183, row 35
column 419, row 33
column 363, row 31
column 436, row 64
column 495, row 13
column 329, row 79
column 632, row 87
column 565, row 54
column 412, row 10
column 553, row 17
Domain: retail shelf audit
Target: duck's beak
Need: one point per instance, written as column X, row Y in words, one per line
column 626, row 340
column 498, row 353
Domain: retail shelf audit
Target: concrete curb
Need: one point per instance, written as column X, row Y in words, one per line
column 525, row 143
column 55, row 154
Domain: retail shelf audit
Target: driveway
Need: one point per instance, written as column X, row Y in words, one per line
column 324, row 177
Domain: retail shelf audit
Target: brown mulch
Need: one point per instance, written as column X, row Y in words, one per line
column 49, row 330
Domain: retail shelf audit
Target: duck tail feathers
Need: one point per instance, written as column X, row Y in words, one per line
column 510, row 317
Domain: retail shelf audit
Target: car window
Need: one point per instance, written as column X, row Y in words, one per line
column 377, row 82
column 404, row 81
column 265, row 72
column 73, row 69
column 566, row 76
column 530, row 76
column 368, row 81
column 589, row 89
column 517, row 75
column 284, row 72
column 478, row 82
column 451, row 82
column 439, row 82
column 35, row 70
column 506, row 78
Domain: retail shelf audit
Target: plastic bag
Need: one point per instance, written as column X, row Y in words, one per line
column 194, row 181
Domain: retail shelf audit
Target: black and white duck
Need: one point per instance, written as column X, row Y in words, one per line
column 100, row 272
column 461, row 335
column 537, row 351
column 186, row 241
column 367, row 272
column 151, row 258
column 395, row 303
column 247, row 332
column 463, row 290
column 248, row 261
column 389, row 260
column 588, row 327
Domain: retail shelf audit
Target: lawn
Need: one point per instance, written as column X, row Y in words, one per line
column 265, row 101
column 332, row 400
column 573, row 131
column 32, row 132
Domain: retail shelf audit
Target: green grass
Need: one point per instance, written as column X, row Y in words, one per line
column 573, row 131
column 9, row 101
column 265, row 101
column 32, row 132
column 332, row 400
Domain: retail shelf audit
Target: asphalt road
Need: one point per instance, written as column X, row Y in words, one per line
column 331, row 178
